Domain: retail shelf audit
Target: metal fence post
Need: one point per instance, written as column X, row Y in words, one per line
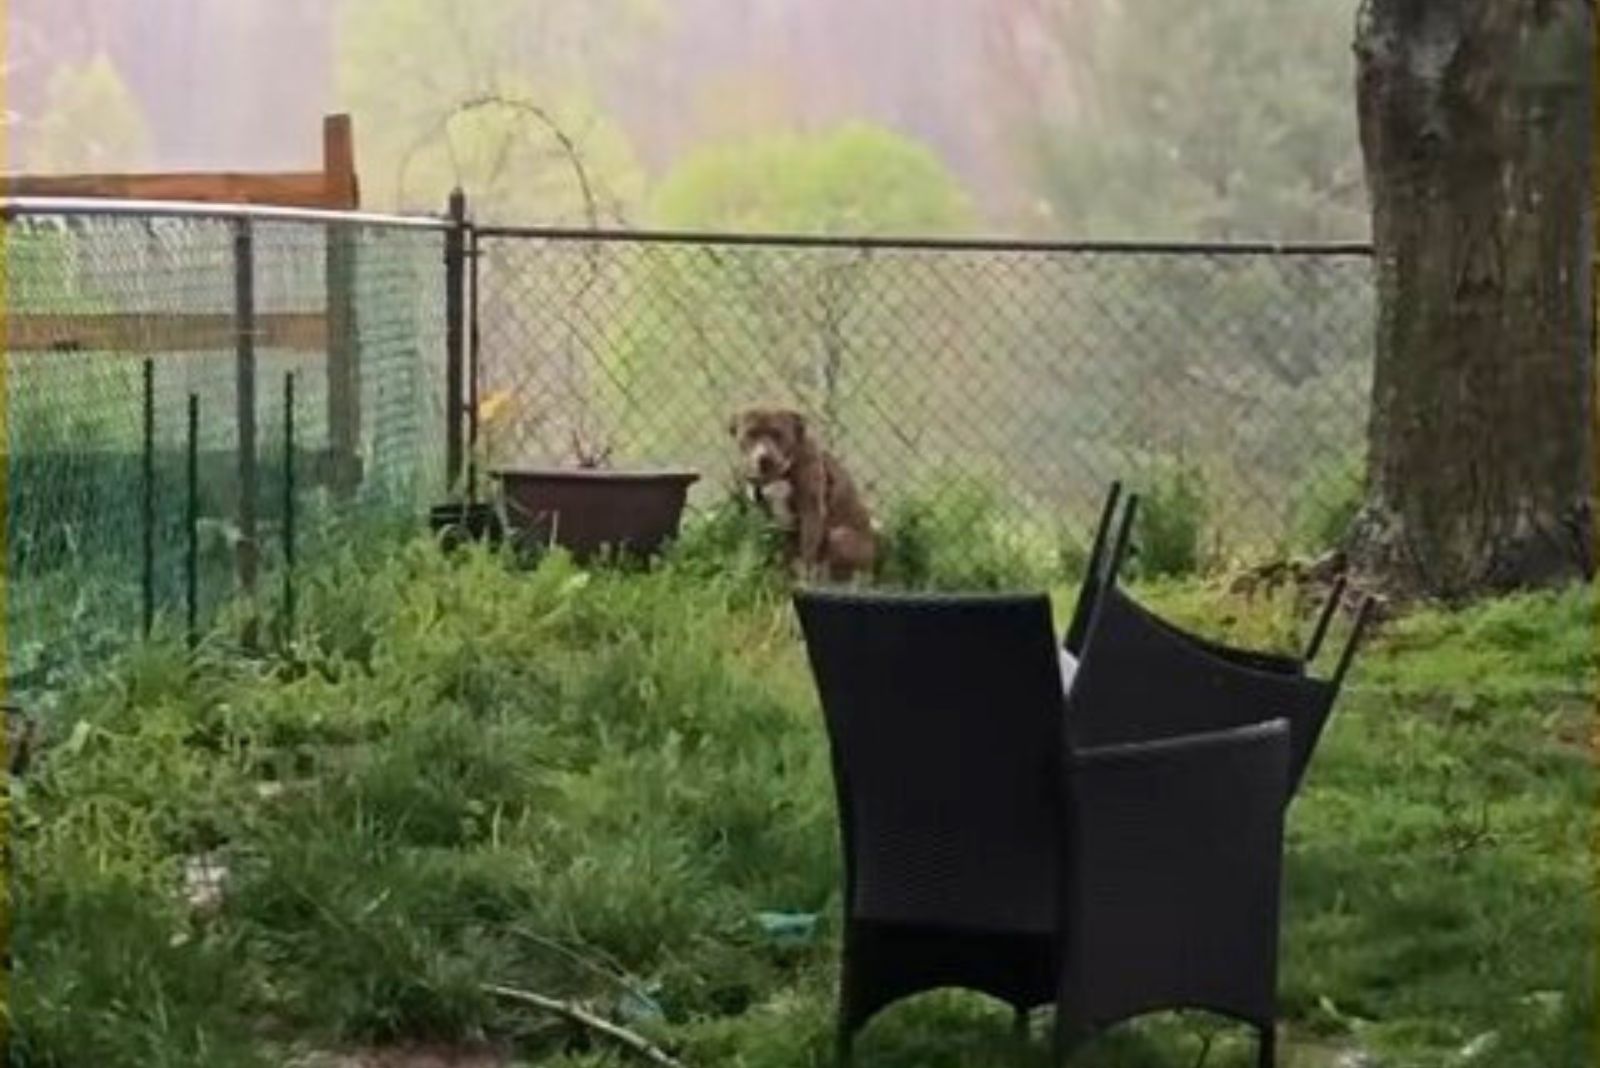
column 288, row 508
column 191, row 558
column 474, row 350
column 147, row 516
column 455, row 249
column 244, row 293
column 344, row 358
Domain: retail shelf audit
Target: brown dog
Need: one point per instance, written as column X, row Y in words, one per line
column 807, row 492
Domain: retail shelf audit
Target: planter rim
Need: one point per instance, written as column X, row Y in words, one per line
column 462, row 509
column 584, row 474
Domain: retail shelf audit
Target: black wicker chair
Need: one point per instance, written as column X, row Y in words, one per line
column 982, row 850
column 1175, row 853
column 1150, row 680
column 1095, row 567
column 1103, row 568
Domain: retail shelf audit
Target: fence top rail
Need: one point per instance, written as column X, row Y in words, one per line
column 948, row 244
column 14, row 207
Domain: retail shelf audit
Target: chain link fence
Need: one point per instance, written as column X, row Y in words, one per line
column 983, row 393
column 115, row 319
column 1006, row 384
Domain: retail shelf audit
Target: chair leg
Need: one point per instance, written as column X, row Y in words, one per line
column 843, row 1050
column 1019, row 1024
column 1267, row 1046
column 1067, row 1037
column 844, row 1039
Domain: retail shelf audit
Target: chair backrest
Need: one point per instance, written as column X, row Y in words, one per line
column 944, row 718
column 1105, row 560
column 1105, row 564
column 1141, row 678
column 1255, row 659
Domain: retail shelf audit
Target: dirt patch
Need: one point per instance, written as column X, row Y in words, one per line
column 409, row 1057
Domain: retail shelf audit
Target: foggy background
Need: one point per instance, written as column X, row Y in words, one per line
column 1075, row 118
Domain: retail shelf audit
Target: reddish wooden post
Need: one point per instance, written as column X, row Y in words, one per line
column 344, row 339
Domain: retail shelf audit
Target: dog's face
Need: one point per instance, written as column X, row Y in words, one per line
column 768, row 440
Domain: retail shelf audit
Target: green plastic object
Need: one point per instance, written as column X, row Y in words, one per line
column 788, row 928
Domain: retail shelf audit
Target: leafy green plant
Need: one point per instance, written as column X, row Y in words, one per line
column 854, row 178
column 1171, row 523
column 956, row 536
column 1327, row 503
column 731, row 539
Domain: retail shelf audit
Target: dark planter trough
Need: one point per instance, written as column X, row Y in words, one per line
column 584, row 510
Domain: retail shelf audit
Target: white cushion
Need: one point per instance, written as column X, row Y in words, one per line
column 1069, row 668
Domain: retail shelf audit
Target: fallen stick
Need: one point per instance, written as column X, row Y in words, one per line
column 622, row 1036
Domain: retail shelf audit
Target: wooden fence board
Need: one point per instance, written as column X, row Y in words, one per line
column 138, row 334
column 332, row 188
column 299, row 190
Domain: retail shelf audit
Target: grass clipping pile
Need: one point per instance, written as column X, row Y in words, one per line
column 537, row 816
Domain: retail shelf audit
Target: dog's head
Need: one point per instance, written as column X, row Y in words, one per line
column 769, row 439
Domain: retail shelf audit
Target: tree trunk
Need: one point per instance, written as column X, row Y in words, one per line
column 1475, row 126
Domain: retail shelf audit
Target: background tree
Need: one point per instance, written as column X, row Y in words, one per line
column 494, row 96
column 1474, row 127
column 670, row 338
column 91, row 122
column 852, row 179
column 1242, row 129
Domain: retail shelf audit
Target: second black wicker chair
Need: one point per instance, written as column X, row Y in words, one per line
column 1142, row 679
column 1105, row 565
column 1156, row 679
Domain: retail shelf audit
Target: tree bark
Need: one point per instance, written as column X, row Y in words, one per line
column 1475, row 132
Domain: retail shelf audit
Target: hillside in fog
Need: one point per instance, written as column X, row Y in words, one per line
column 1057, row 116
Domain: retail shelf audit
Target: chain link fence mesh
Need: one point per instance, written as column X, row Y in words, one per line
column 91, row 300
column 1232, row 383
column 1001, row 385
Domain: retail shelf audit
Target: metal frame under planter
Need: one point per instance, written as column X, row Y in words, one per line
column 585, row 510
column 461, row 522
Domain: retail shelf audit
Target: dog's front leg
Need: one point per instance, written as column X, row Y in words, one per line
column 812, row 537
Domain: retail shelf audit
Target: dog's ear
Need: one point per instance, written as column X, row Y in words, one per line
column 798, row 422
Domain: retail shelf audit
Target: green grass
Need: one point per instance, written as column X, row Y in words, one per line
column 591, row 784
